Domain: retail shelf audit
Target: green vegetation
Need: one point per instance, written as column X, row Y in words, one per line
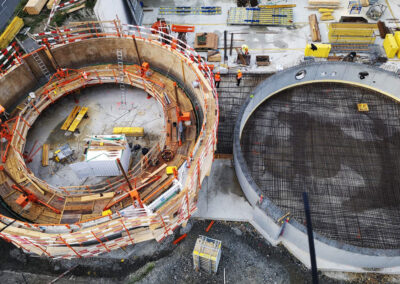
column 142, row 273
column 59, row 18
column 90, row 4
column 19, row 10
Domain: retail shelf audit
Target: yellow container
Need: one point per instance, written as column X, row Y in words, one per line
column 397, row 38
column 322, row 50
column 106, row 212
column 390, row 45
column 10, row 32
column 129, row 131
column 170, row 170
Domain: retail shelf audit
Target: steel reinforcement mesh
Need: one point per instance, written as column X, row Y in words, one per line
column 313, row 138
column 231, row 99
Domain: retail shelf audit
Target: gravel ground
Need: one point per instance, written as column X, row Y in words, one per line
column 246, row 258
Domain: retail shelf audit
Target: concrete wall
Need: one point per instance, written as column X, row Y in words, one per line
column 104, row 50
column 331, row 255
column 16, row 85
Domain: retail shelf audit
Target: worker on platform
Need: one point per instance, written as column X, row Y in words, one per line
column 238, row 77
column 217, row 78
column 245, row 49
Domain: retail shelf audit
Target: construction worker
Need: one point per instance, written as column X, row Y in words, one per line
column 217, row 78
column 238, row 77
column 245, row 49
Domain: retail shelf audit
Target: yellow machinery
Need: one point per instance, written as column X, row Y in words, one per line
column 322, row 50
column 390, row 45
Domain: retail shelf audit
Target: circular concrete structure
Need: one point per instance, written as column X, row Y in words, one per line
column 303, row 131
column 150, row 202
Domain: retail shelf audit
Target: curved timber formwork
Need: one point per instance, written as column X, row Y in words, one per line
column 287, row 106
column 82, row 56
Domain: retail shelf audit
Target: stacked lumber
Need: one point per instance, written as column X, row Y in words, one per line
column 50, row 4
column 324, row 3
column 106, row 145
column 315, row 34
column 326, row 14
column 33, row 7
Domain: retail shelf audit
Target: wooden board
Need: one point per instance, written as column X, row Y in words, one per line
column 78, row 119
column 45, row 155
column 315, row 34
column 98, row 196
column 352, row 26
column 324, row 2
column 75, row 8
column 33, row 7
column 70, row 118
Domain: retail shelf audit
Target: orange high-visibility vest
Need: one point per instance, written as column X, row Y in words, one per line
column 239, row 75
column 217, row 77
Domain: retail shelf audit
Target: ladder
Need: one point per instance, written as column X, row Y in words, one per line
column 121, row 77
column 40, row 63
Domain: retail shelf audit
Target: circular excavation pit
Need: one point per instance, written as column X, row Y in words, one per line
column 333, row 131
column 127, row 77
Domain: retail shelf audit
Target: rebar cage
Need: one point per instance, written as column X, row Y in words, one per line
column 314, row 138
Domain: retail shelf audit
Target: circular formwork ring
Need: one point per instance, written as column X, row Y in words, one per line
column 81, row 239
column 331, row 254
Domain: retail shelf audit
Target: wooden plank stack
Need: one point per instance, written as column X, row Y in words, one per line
column 315, row 34
column 33, row 7
column 45, row 155
column 324, row 3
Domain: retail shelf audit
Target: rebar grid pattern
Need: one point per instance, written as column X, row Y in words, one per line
column 231, row 99
column 313, row 138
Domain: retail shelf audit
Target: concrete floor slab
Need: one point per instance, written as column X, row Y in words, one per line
column 104, row 113
column 221, row 197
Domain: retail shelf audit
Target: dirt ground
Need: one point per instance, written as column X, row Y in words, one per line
column 246, row 258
